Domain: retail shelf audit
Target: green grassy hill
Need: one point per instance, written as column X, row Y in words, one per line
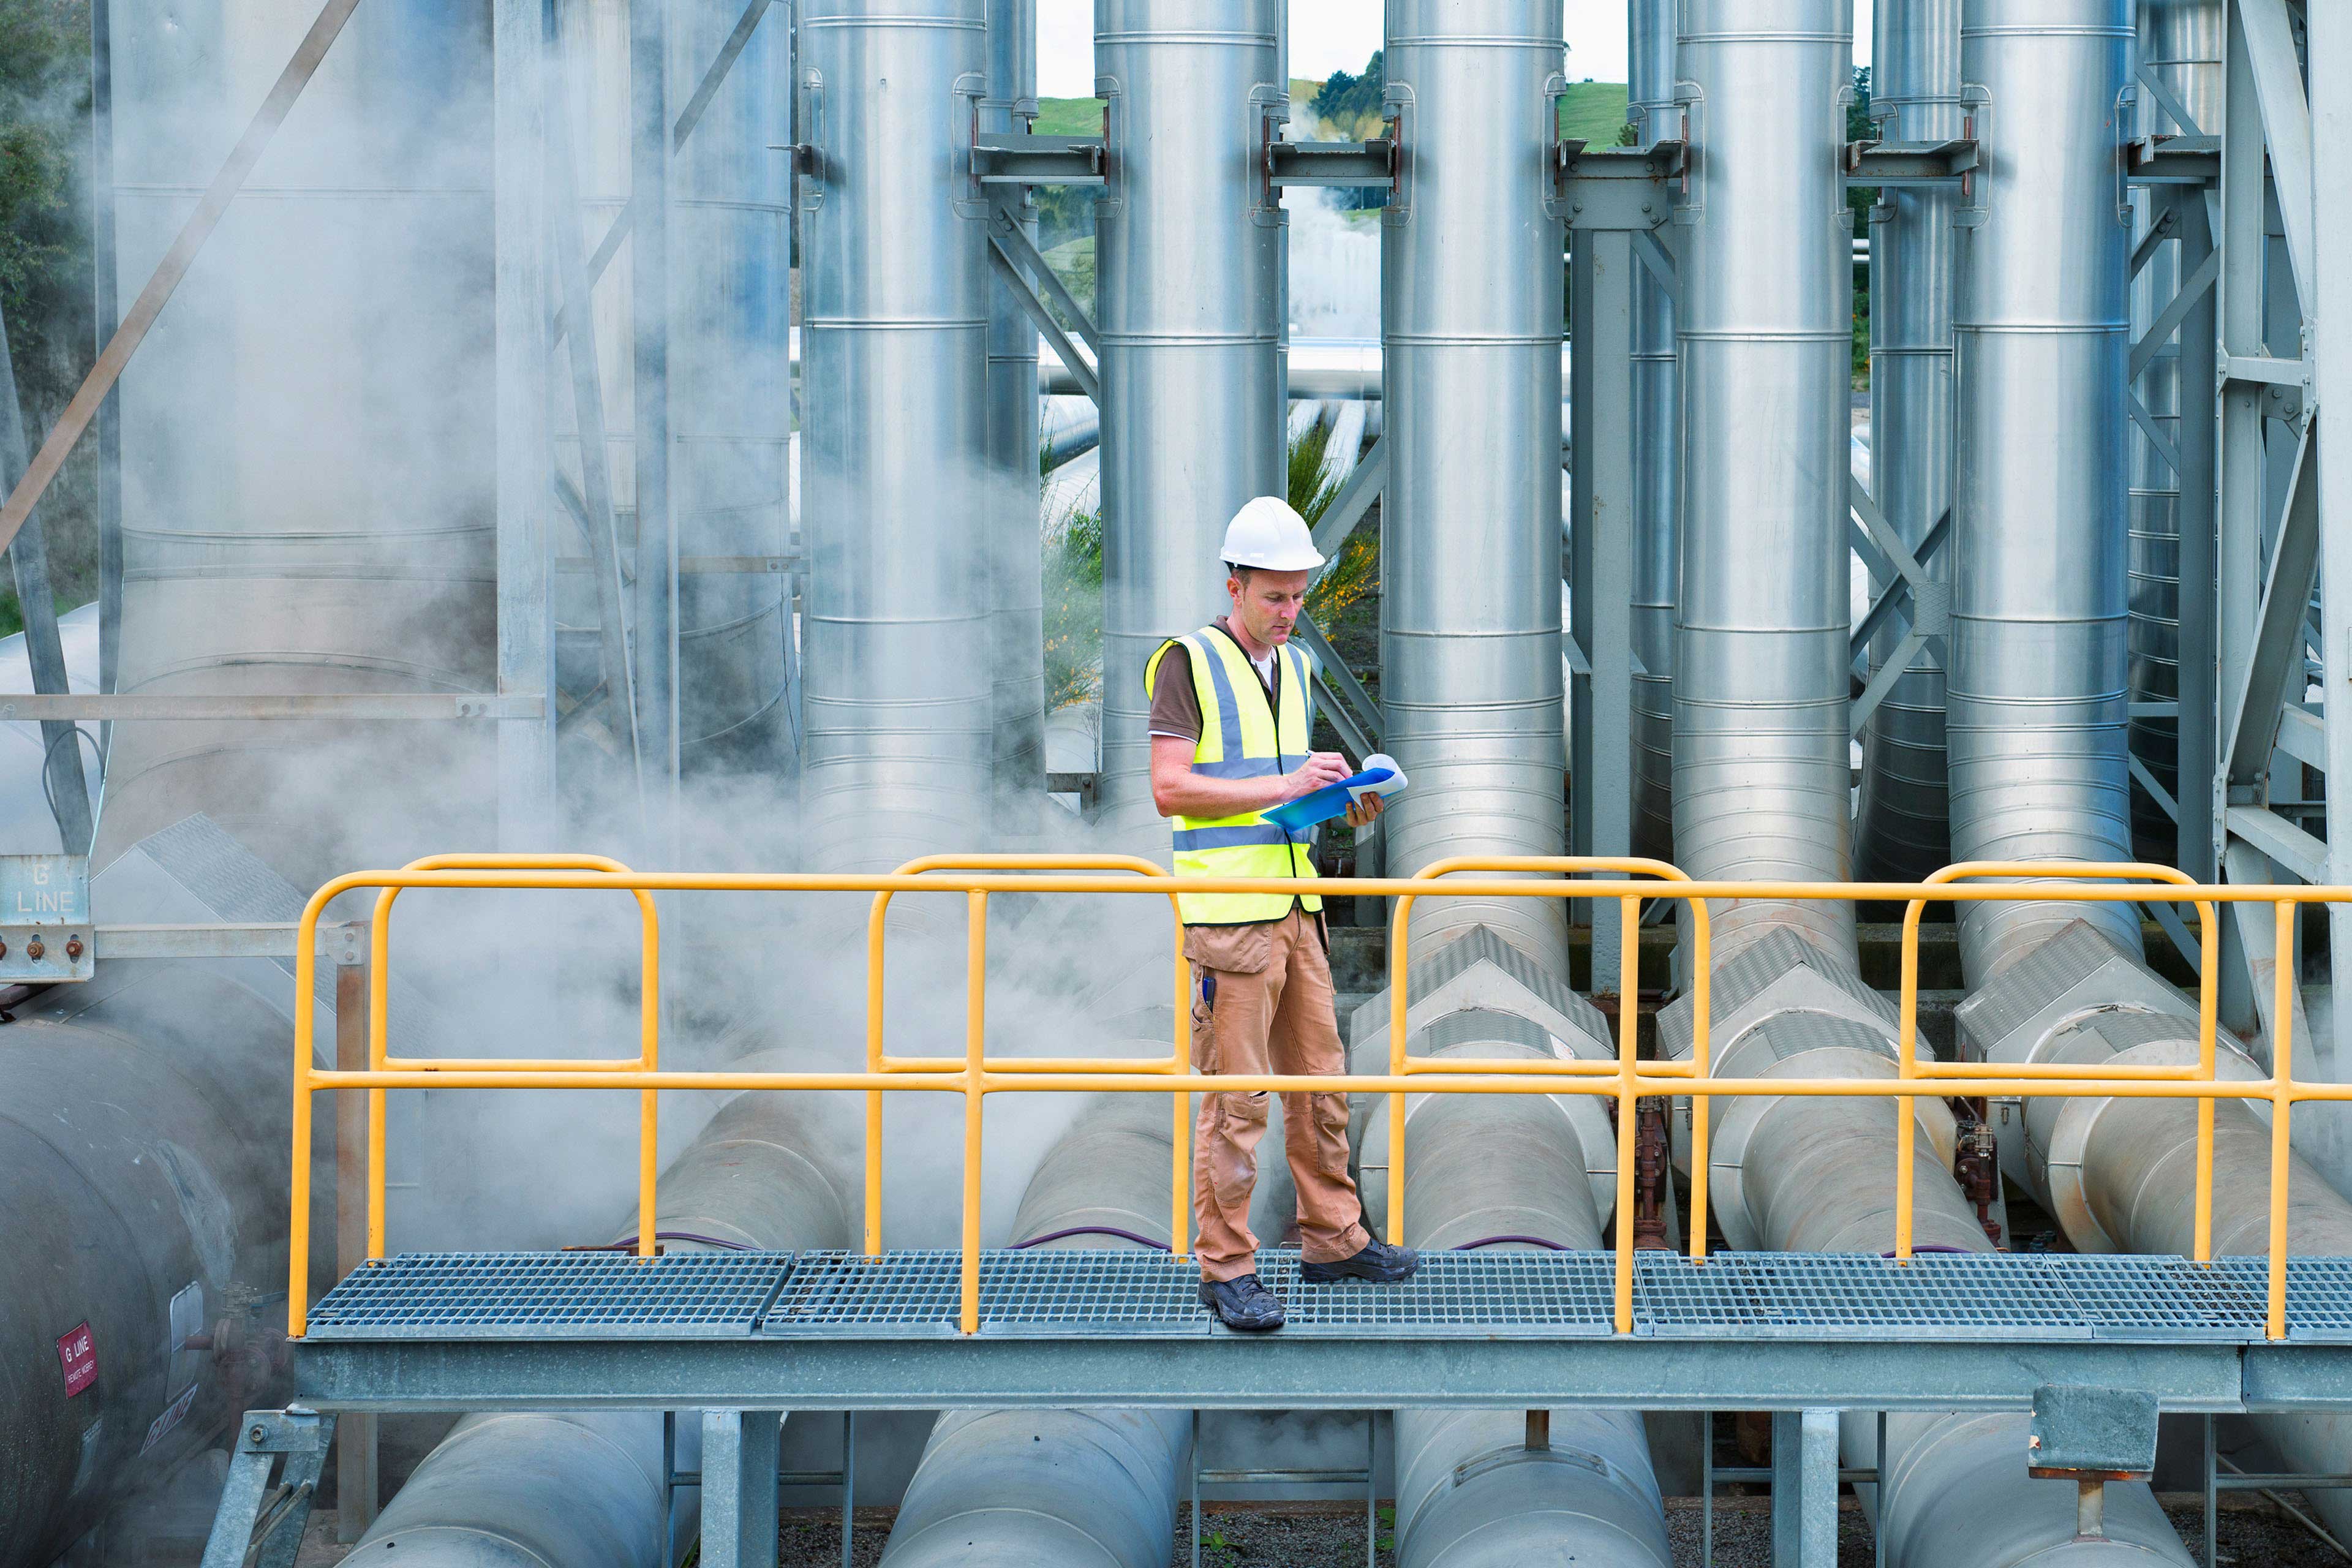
column 1593, row 112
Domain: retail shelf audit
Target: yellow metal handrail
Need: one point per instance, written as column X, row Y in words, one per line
column 974, row 1075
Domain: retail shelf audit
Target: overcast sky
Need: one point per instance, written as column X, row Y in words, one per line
column 1327, row 36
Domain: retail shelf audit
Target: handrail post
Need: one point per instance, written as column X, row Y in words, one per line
column 975, row 1047
column 1629, row 1103
column 2209, row 987
column 2282, row 1088
column 1906, row 1066
column 1398, row 909
column 1703, row 1066
column 357, row 1494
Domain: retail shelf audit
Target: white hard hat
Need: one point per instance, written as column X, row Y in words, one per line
column 1267, row 532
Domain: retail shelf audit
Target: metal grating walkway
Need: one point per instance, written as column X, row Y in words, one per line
column 1059, row 1294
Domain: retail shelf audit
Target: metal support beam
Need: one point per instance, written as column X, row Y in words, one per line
column 2277, row 74
column 2330, row 42
column 1898, row 591
column 2169, row 321
column 1600, row 574
column 104, row 308
column 1012, row 239
column 2275, row 662
column 526, row 602
column 177, row 706
column 1352, row 709
column 2198, row 699
column 258, row 133
column 654, row 611
column 1000, row 261
column 1804, row 1488
column 260, row 1525
column 62, row 778
column 741, row 1452
column 598, row 525
column 356, row 1476
column 1338, row 521
column 689, row 118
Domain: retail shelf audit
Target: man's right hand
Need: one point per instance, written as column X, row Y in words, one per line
column 1320, row 769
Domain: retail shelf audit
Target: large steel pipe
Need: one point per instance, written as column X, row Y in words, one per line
column 1760, row 677
column 2035, row 700
column 1083, row 1489
column 1017, row 598
column 1901, row 830
column 529, row 1488
column 1471, row 1491
column 895, row 704
column 1649, row 62
column 1187, row 297
column 1470, row 613
column 145, row 1184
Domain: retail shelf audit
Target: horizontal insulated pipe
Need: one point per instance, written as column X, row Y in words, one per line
column 2036, row 703
column 585, row 1490
column 1471, row 318
column 1189, row 296
column 1078, row 1489
column 895, row 701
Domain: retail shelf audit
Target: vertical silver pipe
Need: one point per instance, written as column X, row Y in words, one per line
column 1017, row 612
column 1470, row 517
column 1650, row 27
column 2181, row 44
column 895, row 702
column 1901, row 831
column 1760, row 680
column 1087, row 1489
column 1188, row 291
column 2035, row 694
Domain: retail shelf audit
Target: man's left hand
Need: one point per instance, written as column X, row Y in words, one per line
column 1361, row 814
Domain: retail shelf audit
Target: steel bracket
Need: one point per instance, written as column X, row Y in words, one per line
column 1027, row 160
column 1910, row 162
column 1369, row 163
column 1620, row 189
column 2173, row 161
column 259, row 1525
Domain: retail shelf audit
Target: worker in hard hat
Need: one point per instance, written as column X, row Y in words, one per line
column 1231, row 708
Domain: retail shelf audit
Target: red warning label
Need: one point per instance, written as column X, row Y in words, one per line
column 77, row 1353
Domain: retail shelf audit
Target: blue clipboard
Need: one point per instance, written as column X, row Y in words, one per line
column 1380, row 776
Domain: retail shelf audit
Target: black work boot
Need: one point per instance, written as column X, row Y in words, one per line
column 1379, row 1262
column 1242, row 1303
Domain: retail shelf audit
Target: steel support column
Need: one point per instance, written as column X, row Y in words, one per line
column 1804, row 1488
column 1602, row 282
column 1016, row 601
column 526, row 605
column 655, row 610
column 2329, row 349
column 742, row 1450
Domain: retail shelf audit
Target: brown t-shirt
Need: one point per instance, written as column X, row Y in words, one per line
column 1175, row 706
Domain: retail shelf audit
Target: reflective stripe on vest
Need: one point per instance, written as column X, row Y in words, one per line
column 1242, row 736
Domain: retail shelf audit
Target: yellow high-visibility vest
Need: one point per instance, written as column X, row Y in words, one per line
column 1242, row 736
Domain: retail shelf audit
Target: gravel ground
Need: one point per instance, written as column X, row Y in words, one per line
column 2254, row 1533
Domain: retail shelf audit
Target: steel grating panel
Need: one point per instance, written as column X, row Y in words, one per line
column 1550, row 1295
column 2318, row 1296
column 1785, row 1295
column 2124, row 1296
column 1129, row 1292
column 1125, row 1290
column 551, row 1295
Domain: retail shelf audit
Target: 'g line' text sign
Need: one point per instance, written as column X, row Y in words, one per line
column 44, row 927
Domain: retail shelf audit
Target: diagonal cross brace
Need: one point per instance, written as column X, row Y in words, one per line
column 1351, row 699
column 2277, row 653
column 2160, row 331
column 1089, row 380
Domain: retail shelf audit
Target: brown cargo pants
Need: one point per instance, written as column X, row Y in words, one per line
column 1262, row 1003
